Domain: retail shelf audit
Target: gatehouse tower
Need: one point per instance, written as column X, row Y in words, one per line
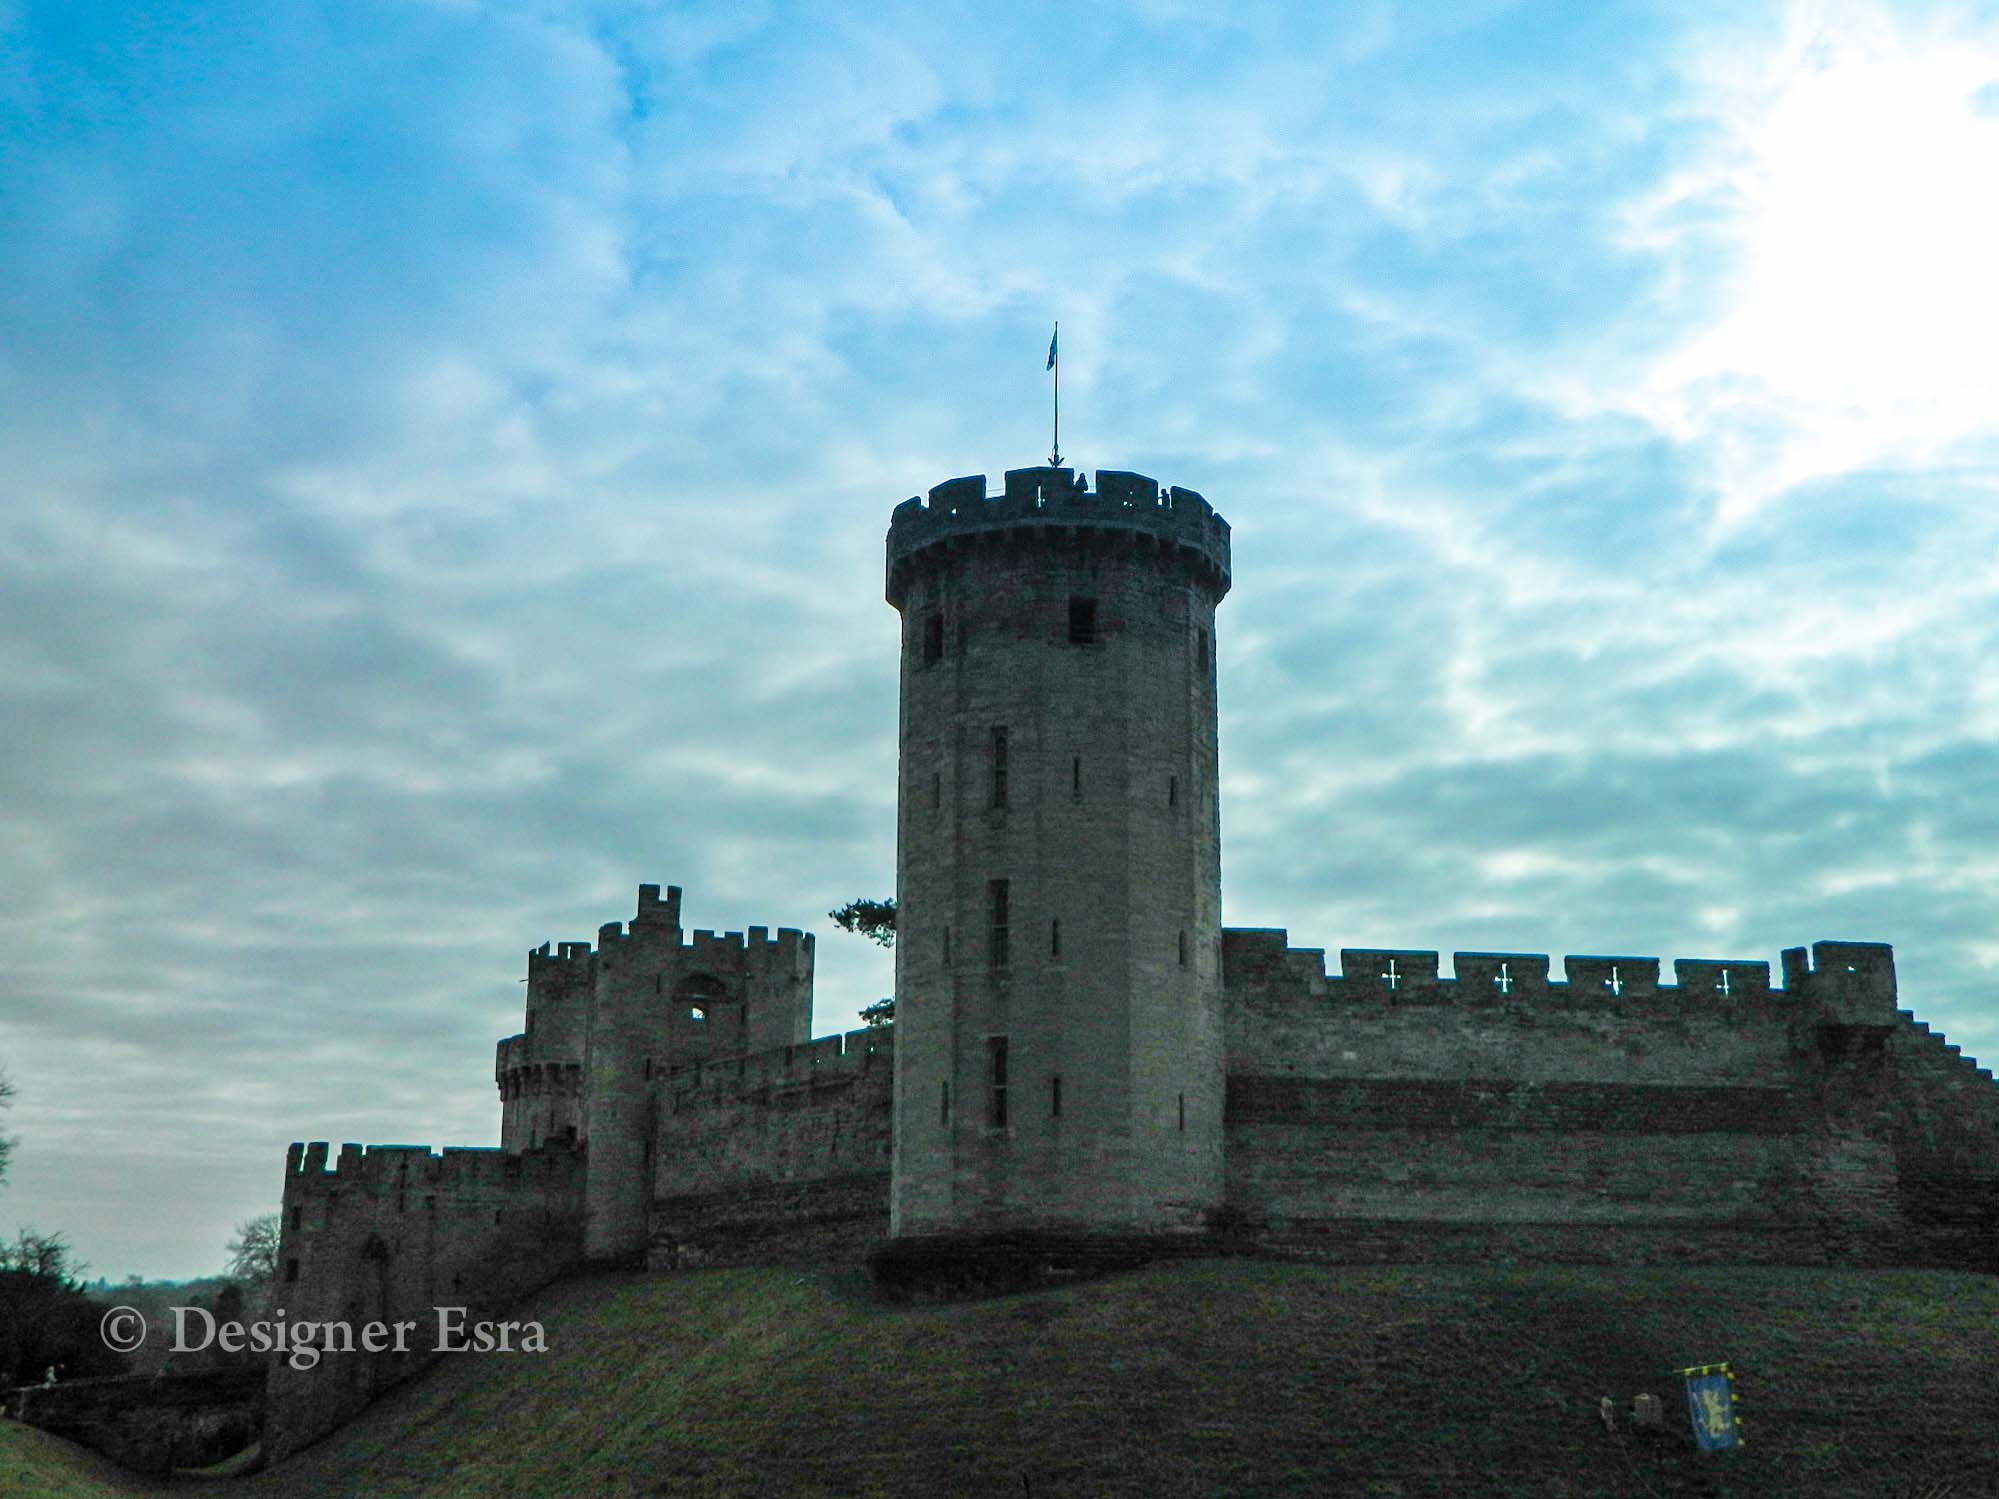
column 1059, row 1051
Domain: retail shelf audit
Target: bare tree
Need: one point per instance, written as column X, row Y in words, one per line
column 44, row 1256
column 6, row 1145
column 253, row 1253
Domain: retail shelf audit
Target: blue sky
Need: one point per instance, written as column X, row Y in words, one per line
column 445, row 451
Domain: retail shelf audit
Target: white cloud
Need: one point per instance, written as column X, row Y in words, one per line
column 1850, row 181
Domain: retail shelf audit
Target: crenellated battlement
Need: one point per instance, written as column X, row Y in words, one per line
column 755, row 949
column 566, row 956
column 786, row 1066
column 418, row 1166
column 518, row 1071
column 1840, row 982
column 657, row 926
column 1057, row 503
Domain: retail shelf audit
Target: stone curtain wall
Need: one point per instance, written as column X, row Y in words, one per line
column 395, row 1232
column 1583, row 1172
column 1387, row 1112
column 1675, row 1123
column 781, row 1156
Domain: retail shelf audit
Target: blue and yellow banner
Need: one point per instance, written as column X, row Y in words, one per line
column 1711, row 1406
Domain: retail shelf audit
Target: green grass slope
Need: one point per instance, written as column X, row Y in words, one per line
column 35, row 1465
column 1204, row 1378
column 1201, row 1378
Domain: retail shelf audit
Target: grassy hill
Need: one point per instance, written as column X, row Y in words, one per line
column 1202, row 1378
column 34, row 1465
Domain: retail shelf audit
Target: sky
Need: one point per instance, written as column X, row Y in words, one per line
column 446, row 450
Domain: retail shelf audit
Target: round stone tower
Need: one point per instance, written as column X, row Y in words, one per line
column 1058, row 1056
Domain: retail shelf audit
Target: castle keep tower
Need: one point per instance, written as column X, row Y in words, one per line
column 1059, row 1058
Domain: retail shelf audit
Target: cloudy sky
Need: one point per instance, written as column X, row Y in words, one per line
column 445, row 451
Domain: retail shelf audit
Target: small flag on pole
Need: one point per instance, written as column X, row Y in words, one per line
column 1055, row 449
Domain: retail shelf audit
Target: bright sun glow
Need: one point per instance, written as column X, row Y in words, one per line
column 1858, row 184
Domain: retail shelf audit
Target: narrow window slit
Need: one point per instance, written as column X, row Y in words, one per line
column 996, row 1080
column 1082, row 621
column 996, row 901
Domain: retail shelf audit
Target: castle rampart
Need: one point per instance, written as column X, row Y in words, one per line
column 392, row 1232
column 1388, row 1111
column 783, row 1155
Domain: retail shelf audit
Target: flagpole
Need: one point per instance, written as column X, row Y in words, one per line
column 1055, row 364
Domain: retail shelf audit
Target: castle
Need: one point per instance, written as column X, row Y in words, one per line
column 1083, row 1055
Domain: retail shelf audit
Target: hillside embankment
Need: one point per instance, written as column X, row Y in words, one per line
column 1209, row 1377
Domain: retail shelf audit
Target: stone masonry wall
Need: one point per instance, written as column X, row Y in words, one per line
column 393, row 1233
column 1388, row 1112
column 1057, row 856
column 779, row 1156
column 1942, row 1119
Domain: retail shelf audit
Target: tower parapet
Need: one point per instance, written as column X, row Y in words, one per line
column 1057, row 505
